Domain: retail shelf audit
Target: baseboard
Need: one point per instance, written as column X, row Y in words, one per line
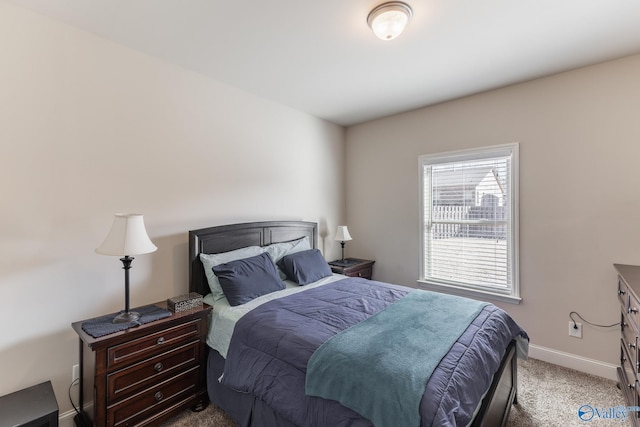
column 66, row 419
column 572, row 361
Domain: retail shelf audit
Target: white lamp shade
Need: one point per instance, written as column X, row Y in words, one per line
column 343, row 233
column 388, row 20
column 127, row 237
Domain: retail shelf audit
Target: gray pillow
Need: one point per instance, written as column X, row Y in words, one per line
column 305, row 267
column 278, row 250
column 246, row 279
column 211, row 260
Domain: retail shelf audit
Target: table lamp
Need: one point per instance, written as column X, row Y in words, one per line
column 342, row 235
column 127, row 237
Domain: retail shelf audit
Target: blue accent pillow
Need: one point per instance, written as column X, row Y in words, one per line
column 245, row 279
column 278, row 250
column 211, row 260
column 305, row 267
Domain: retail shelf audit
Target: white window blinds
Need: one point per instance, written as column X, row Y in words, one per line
column 469, row 219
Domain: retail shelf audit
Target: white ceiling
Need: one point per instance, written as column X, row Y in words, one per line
column 320, row 57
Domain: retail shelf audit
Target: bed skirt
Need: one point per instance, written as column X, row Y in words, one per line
column 245, row 409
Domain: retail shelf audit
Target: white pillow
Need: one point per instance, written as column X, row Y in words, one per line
column 278, row 250
column 300, row 245
column 211, row 260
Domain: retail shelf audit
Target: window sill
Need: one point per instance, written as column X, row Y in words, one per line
column 466, row 292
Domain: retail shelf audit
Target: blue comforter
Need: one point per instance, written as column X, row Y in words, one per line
column 366, row 355
column 272, row 345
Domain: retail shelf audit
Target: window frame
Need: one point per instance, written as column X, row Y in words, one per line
column 511, row 150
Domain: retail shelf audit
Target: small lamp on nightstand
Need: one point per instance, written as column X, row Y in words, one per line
column 127, row 237
column 342, row 235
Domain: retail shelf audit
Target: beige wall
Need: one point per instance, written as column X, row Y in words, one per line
column 579, row 192
column 89, row 128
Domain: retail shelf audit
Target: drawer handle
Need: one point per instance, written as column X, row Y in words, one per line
column 160, row 340
column 159, row 396
column 158, row 367
column 633, row 310
column 621, row 292
column 632, row 345
column 631, row 386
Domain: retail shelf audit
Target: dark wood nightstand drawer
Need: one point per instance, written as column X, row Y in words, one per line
column 138, row 407
column 128, row 381
column 142, row 348
column 353, row 267
column 366, row 272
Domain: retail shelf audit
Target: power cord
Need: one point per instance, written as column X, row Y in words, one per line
column 70, row 399
column 80, row 419
column 586, row 321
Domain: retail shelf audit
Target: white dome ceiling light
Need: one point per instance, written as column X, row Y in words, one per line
column 388, row 20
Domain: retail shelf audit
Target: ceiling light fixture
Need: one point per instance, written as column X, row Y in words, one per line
column 388, row 20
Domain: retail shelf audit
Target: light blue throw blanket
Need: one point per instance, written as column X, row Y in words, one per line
column 380, row 367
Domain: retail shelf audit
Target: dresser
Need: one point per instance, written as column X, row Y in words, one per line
column 146, row 374
column 629, row 370
column 353, row 267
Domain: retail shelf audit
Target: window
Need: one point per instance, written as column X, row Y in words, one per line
column 469, row 222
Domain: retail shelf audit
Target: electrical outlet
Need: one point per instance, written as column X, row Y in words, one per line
column 575, row 329
column 75, row 372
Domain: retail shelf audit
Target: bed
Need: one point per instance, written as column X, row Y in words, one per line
column 267, row 384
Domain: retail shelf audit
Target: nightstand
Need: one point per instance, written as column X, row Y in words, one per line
column 353, row 267
column 148, row 373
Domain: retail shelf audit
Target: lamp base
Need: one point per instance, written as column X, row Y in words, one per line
column 126, row 317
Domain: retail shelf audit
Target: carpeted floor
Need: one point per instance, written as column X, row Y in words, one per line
column 548, row 395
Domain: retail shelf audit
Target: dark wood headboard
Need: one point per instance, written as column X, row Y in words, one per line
column 226, row 238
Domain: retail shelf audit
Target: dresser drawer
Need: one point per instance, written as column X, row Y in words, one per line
column 633, row 312
column 623, row 294
column 630, row 342
column 144, row 374
column 137, row 408
column 628, row 380
column 149, row 345
column 629, row 303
